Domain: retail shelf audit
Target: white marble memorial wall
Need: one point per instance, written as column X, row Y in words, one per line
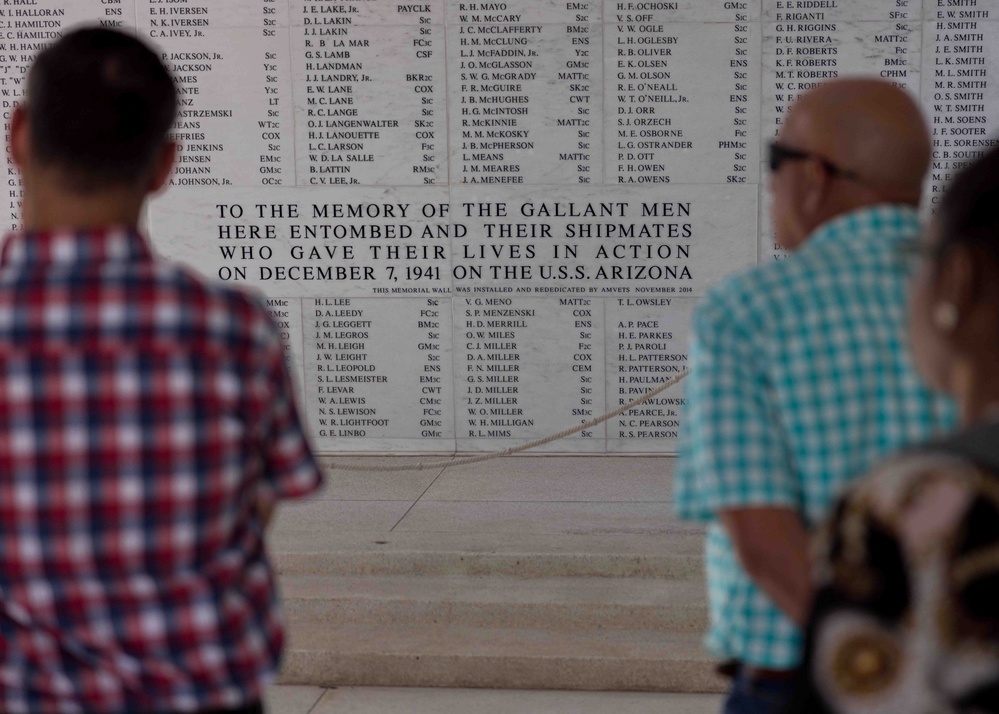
column 479, row 223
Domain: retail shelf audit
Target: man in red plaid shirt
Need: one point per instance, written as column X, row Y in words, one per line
column 147, row 424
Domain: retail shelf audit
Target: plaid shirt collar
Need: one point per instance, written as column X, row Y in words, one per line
column 67, row 247
column 887, row 221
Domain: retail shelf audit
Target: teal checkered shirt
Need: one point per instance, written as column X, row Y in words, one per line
column 800, row 380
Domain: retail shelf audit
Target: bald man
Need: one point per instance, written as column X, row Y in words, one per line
column 800, row 378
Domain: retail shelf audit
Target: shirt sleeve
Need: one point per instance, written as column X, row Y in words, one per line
column 290, row 467
column 732, row 448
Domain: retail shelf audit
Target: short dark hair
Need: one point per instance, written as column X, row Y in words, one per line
column 969, row 211
column 100, row 104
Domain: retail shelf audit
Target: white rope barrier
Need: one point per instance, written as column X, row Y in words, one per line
column 420, row 466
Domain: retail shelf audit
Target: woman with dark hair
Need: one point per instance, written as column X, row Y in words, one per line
column 906, row 616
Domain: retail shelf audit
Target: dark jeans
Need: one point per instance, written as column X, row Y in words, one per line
column 766, row 696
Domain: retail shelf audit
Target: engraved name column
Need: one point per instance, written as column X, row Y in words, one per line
column 528, row 367
column 648, row 340
column 682, row 83
column 378, row 372
column 370, row 92
column 276, row 120
column 960, row 68
column 524, row 83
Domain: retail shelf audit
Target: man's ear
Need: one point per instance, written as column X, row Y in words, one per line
column 805, row 199
column 19, row 142
column 815, row 190
column 163, row 166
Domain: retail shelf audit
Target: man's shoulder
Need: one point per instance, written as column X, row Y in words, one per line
column 751, row 295
column 776, row 274
column 237, row 307
column 859, row 240
column 203, row 286
column 841, row 258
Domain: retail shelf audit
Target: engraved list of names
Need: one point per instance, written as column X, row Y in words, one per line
column 479, row 223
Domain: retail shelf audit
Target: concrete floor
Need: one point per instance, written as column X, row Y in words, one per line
column 349, row 700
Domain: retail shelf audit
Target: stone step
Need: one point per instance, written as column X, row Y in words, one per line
column 606, row 605
column 312, row 548
column 499, row 601
column 333, row 655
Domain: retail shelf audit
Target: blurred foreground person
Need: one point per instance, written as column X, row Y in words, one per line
column 800, row 378
column 147, row 425
column 907, row 614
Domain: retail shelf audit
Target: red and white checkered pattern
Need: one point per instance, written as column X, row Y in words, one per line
column 144, row 416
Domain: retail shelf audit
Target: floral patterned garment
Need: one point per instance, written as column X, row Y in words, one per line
column 907, row 614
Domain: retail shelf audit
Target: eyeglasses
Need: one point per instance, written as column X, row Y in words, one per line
column 778, row 154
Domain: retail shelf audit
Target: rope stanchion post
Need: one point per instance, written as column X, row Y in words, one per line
column 420, row 466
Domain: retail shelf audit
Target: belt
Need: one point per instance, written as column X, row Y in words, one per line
column 734, row 668
column 762, row 674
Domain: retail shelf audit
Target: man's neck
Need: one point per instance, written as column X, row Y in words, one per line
column 49, row 208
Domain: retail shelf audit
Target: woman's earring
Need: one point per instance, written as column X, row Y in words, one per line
column 945, row 316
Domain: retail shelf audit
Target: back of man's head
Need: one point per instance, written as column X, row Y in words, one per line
column 99, row 104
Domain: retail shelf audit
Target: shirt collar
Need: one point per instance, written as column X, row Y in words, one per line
column 886, row 221
column 67, row 247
